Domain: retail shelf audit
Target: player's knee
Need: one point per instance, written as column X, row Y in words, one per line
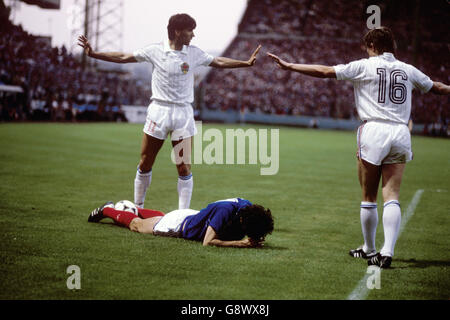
column 370, row 192
column 184, row 170
column 136, row 225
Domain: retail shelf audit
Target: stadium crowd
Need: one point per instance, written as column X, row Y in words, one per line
column 54, row 84
column 308, row 31
column 56, row 87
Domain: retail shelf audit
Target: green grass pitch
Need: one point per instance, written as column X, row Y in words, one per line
column 54, row 175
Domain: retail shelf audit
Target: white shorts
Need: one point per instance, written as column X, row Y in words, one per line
column 170, row 224
column 164, row 118
column 384, row 143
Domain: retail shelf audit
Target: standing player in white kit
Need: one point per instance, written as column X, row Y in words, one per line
column 383, row 87
column 170, row 111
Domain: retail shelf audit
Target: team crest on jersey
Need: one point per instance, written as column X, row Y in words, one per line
column 185, row 67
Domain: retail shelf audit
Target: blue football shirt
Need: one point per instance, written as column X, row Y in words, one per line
column 216, row 215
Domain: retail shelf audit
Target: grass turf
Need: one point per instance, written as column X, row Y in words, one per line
column 53, row 175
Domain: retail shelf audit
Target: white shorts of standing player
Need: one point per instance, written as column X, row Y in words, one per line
column 382, row 142
column 164, row 118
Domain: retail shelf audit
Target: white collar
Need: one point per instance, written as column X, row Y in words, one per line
column 388, row 56
column 167, row 48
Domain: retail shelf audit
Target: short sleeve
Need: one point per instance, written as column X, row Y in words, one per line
column 220, row 218
column 354, row 70
column 201, row 57
column 143, row 54
column 420, row 80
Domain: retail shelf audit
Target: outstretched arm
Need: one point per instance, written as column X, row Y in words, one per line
column 116, row 57
column 440, row 88
column 313, row 70
column 223, row 62
column 212, row 240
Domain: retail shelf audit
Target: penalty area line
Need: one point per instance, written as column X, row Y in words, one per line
column 361, row 290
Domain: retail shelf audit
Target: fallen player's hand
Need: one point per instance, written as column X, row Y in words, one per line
column 257, row 243
column 248, row 243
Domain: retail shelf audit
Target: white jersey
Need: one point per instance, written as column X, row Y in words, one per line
column 173, row 71
column 383, row 86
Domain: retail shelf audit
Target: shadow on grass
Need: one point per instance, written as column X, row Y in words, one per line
column 421, row 264
column 269, row 247
column 265, row 247
column 284, row 230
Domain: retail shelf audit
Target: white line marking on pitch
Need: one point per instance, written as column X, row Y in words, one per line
column 361, row 291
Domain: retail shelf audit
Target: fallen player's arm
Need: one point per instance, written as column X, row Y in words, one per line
column 212, row 240
column 116, row 57
column 313, row 70
column 228, row 63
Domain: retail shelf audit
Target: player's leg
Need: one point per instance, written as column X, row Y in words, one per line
column 123, row 218
column 127, row 219
column 144, row 225
column 391, row 180
column 369, row 177
column 185, row 185
column 97, row 214
column 149, row 213
column 184, row 129
column 149, row 150
column 392, row 215
column 392, row 174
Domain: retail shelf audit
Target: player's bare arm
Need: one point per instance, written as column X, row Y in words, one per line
column 228, row 63
column 314, row 70
column 116, row 57
column 211, row 239
column 440, row 88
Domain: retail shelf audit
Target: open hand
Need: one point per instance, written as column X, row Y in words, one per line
column 281, row 63
column 252, row 59
column 84, row 43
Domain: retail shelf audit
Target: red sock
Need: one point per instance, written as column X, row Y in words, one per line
column 147, row 213
column 121, row 217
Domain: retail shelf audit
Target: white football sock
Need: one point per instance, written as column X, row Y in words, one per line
column 141, row 184
column 392, row 218
column 185, row 187
column 369, row 223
